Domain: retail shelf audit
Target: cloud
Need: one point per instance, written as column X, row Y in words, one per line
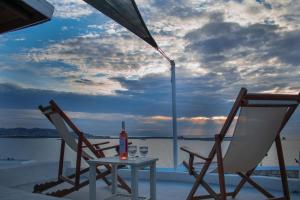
column 25, row 118
column 218, row 46
column 14, row 96
column 143, row 115
column 219, row 119
column 146, row 110
column 98, row 123
column 73, row 9
column 200, row 120
column 225, row 39
column 195, row 120
column 205, row 38
column 20, row 39
column 286, row 90
column 252, row 55
column 91, row 54
column 286, row 48
column 160, row 118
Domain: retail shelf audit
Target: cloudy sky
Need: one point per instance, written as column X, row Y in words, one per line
column 101, row 74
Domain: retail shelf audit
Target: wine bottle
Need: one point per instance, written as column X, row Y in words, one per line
column 123, row 150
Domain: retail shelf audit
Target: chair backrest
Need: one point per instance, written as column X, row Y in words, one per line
column 66, row 135
column 61, row 123
column 261, row 119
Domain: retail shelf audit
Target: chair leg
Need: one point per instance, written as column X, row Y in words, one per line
column 61, row 159
column 242, row 183
column 198, row 181
column 256, row 186
column 284, row 180
column 78, row 161
column 124, row 185
column 203, row 183
column 208, row 188
column 104, row 178
column 220, row 168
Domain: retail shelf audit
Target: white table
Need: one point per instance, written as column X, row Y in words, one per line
column 135, row 165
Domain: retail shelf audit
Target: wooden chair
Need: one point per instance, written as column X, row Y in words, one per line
column 260, row 121
column 80, row 144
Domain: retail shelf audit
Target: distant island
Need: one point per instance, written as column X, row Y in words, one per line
column 30, row 133
column 52, row 133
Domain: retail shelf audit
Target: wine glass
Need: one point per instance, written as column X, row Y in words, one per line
column 132, row 149
column 143, row 151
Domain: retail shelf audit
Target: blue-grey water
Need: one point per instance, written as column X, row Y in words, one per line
column 47, row 149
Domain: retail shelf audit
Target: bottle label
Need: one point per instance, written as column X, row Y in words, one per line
column 122, row 145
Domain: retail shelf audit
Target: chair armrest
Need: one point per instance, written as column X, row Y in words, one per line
column 97, row 144
column 101, row 143
column 190, row 164
column 112, row 147
column 193, row 153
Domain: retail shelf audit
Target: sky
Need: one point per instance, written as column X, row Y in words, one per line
column 101, row 74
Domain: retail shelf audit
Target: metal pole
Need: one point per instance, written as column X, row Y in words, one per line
column 174, row 115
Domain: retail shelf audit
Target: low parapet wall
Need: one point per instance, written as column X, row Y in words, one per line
column 274, row 171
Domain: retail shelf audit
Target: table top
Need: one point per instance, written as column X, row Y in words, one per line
column 115, row 160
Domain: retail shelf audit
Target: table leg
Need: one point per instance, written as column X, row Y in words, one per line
column 153, row 181
column 114, row 178
column 134, row 183
column 92, row 179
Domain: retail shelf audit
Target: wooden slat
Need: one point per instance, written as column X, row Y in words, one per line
column 256, row 186
column 220, row 168
column 212, row 196
column 242, row 183
column 285, row 186
column 262, row 96
column 61, row 158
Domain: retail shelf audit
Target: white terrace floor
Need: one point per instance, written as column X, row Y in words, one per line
column 166, row 190
column 170, row 185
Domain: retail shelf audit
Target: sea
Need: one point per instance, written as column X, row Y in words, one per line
column 47, row 149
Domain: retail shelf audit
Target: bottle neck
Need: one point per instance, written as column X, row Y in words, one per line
column 123, row 126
